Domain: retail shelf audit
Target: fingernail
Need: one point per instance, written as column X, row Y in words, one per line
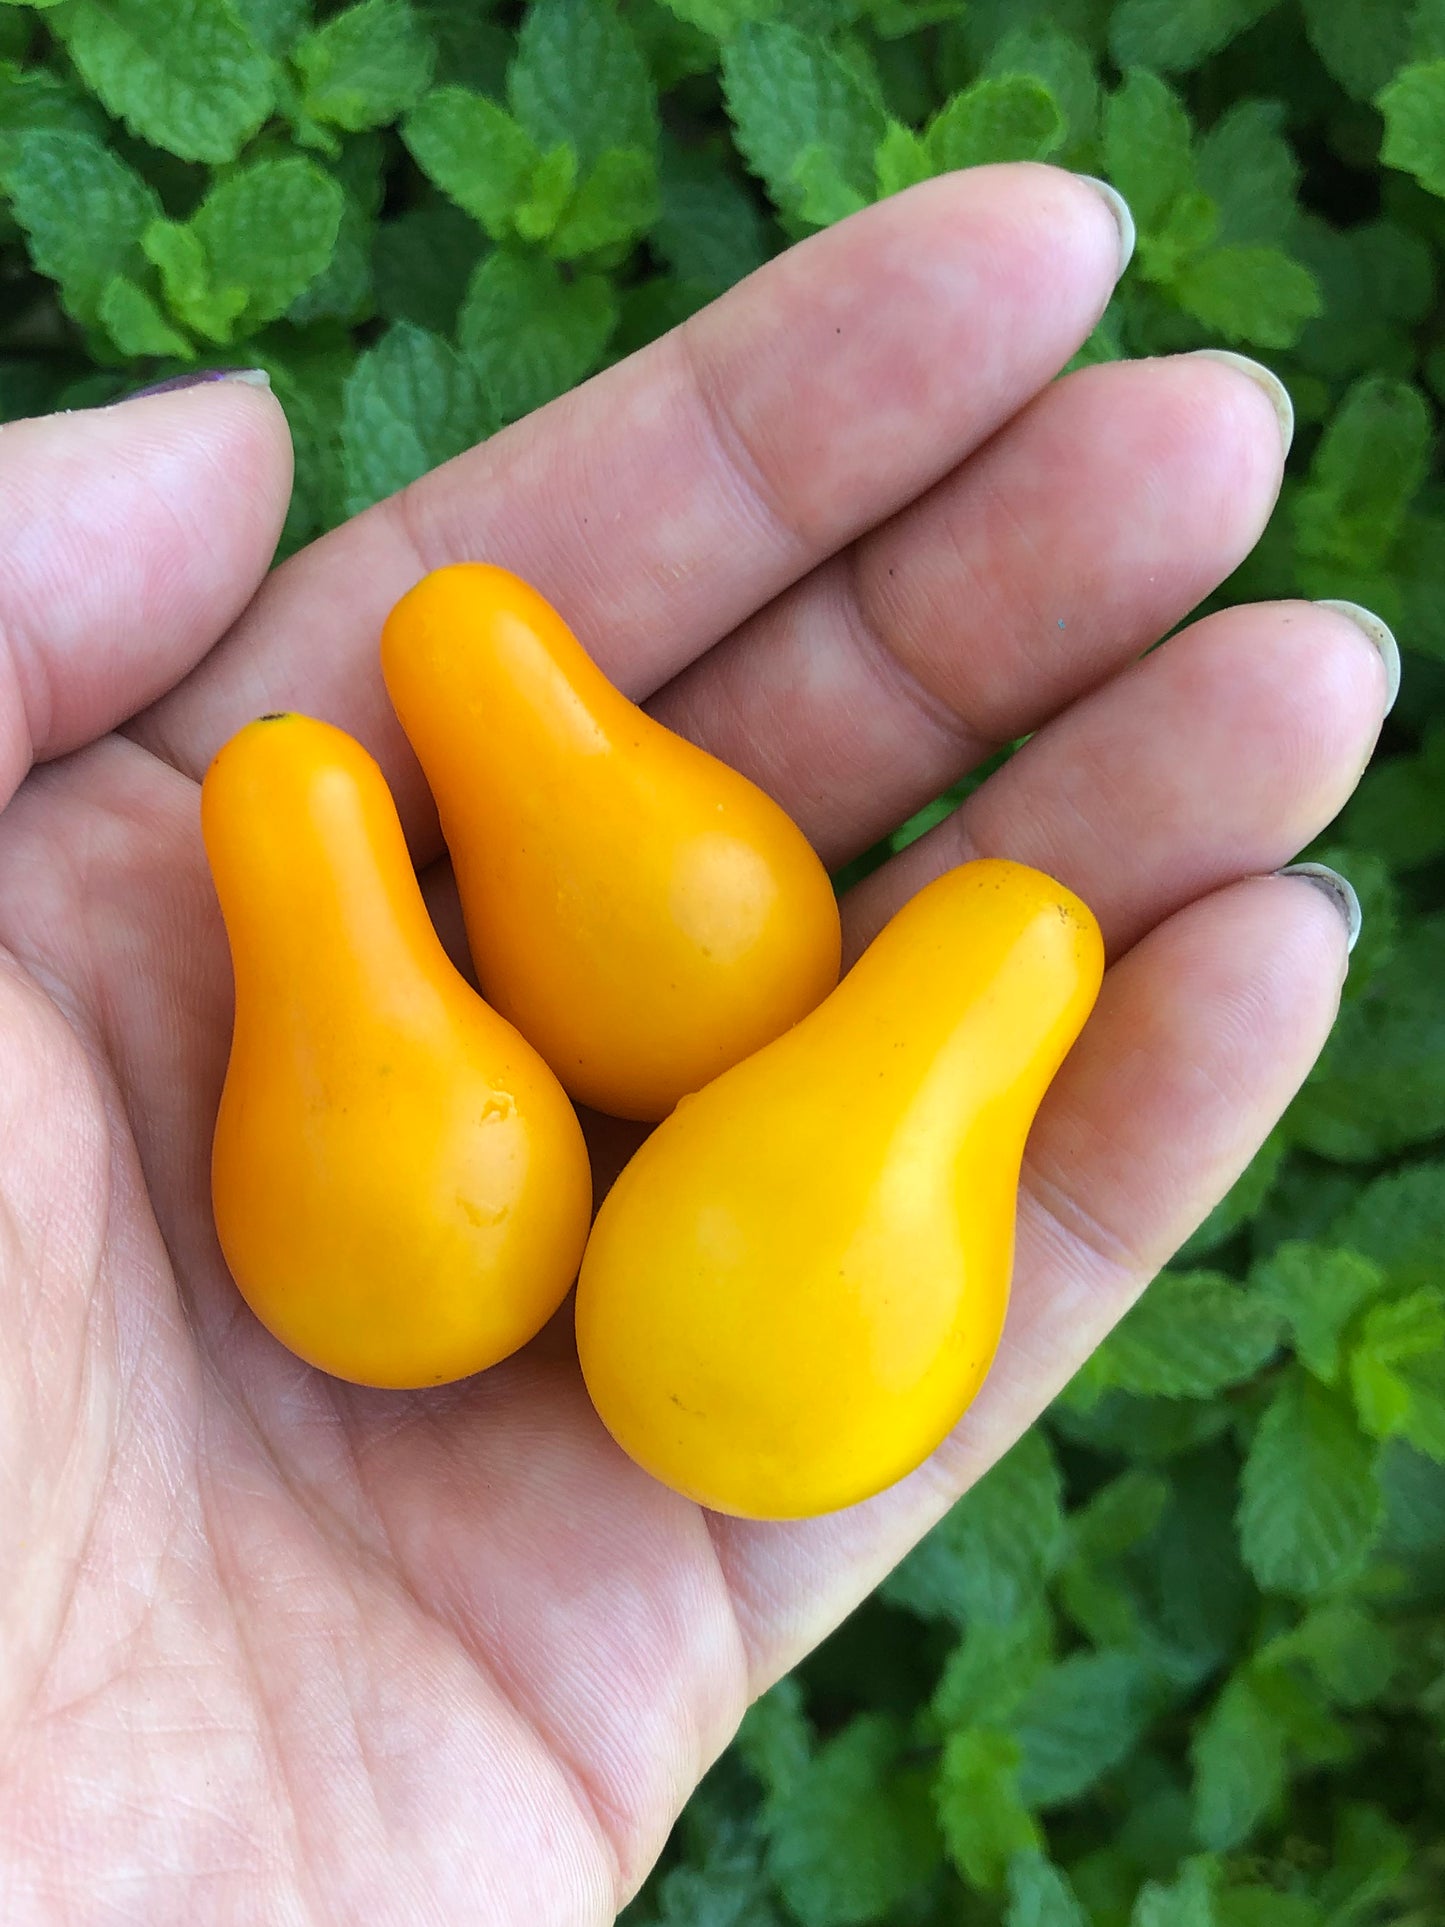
column 1119, row 208
column 202, row 378
column 1380, row 635
column 1264, row 378
column 1339, row 890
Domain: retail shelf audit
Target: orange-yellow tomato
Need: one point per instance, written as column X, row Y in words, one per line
column 643, row 914
column 400, row 1185
column 798, row 1283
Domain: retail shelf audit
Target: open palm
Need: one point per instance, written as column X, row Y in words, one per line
column 276, row 1649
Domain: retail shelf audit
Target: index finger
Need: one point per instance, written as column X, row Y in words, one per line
column 673, row 495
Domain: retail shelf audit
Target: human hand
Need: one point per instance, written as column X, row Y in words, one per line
column 279, row 1649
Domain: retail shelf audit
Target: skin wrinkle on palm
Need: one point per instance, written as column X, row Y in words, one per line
column 268, row 1628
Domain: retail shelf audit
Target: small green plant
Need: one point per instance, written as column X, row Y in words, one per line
column 1179, row 1660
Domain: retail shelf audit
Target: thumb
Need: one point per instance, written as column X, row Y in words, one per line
column 133, row 536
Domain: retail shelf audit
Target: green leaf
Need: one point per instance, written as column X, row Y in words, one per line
column 992, row 1669
column 854, row 1835
column 580, row 77
column 1351, row 1653
column 1398, row 1221
column 987, row 1559
column 1251, row 294
column 551, row 187
column 183, row 74
column 1186, row 1902
column 776, row 1739
column 1039, row 1895
column 1310, row 1501
column 1013, row 117
column 32, row 100
column 1191, row 1334
column 83, row 212
column 1240, row 1764
column 1414, row 108
column 787, row 95
column 1148, row 147
column 364, row 67
column 1369, row 465
column 472, row 51
column 1173, row 35
column 617, row 203
column 1065, row 67
column 135, row 323
column 983, row 1816
column 1249, row 170
column 1397, row 1371
column 1379, row 1085
column 411, row 403
column 1361, row 46
column 1081, row 1719
column 529, row 334
column 261, row 236
column 902, row 160
column 477, row 154
column 1317, row 1290
column 275, row 25
column 709, row 231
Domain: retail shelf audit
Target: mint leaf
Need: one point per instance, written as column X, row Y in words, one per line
column 1039, row 1895
column 775, row 1738
column 988, row 1557
column 183, row 74
column 616, row 204
column 1240, row 1764
column 787, row 95
column 709, row 231
column 1399, row 1222
column 83, row 212
column 1369, row 464
column 902, row 160
column 135, row 323
column 477, row 154
column 1064, row 66
column 411, row 403
column 1361, row 46
column 854, row 1835
column 472, row 51
column 529, row 334
column 579, row 77
column 275, row 25
column 1350, row 1652
column 823, row 195
column 1148, row 147
column 1414, row 108
column 364, row 67
column 992, row 1669
column 1013, row 117
column 1186, row 1902
column 1173, row 35
column 1317, row 1290
column 1310, row 1500
column 421, row 264
column 1081, row 1719
column 551, row 187
column 261, row 236
column 1397, row 1371
column 1249, row 170
column 1191, row 1334
column 1251, row 294
column 1379, row 1085
column 984, row 1819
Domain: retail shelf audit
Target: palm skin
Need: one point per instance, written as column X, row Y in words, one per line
column 276, row 1649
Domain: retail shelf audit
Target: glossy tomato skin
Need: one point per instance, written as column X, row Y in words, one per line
column 643, row 914
column 400, row 1185
column 798, row 1283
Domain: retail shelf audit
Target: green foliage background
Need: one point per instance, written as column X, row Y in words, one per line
column 1179, row 1661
